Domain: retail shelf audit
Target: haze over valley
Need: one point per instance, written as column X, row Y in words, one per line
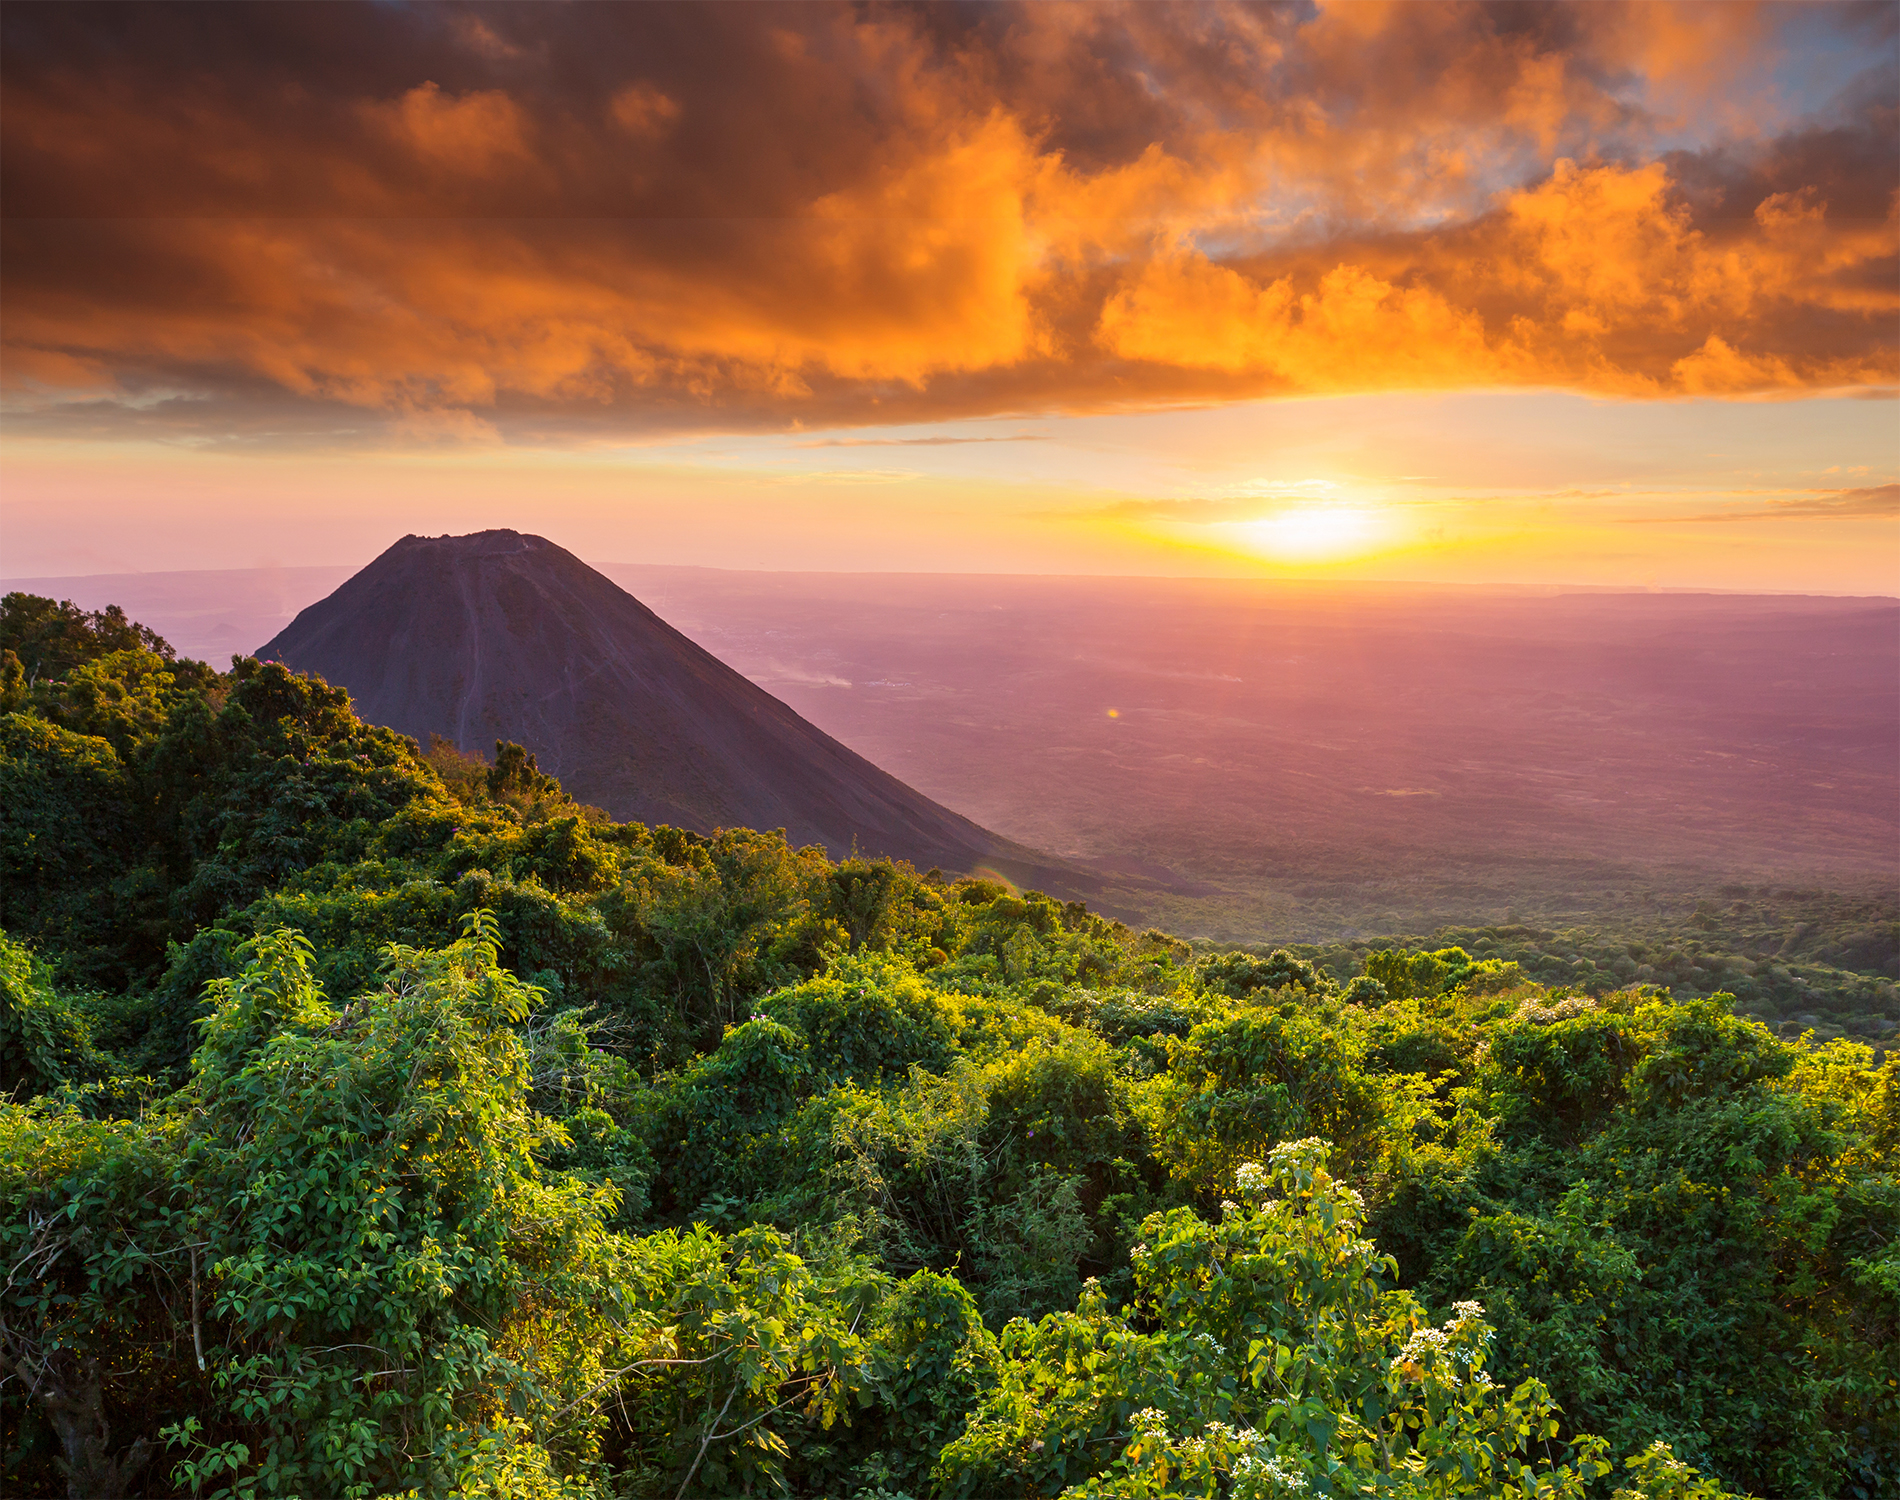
column 1337, row 757
column 1301, row 760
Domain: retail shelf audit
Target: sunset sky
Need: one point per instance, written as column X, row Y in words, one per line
column 1528, row 293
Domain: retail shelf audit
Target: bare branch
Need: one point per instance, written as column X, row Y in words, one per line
column 706, row 1442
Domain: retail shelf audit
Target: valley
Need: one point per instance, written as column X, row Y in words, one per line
column 1306, row 761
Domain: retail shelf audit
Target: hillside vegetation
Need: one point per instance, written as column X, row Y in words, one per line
column 1803, row 962
column 384, row 1122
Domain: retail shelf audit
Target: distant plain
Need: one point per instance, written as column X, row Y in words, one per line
column 1299, row 760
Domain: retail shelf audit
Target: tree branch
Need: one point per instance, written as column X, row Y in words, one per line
column 197, row 1329
column 706, row 1442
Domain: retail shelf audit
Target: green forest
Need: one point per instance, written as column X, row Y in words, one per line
column 378, row 1121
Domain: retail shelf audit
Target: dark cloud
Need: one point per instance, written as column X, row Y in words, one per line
column 563, row 221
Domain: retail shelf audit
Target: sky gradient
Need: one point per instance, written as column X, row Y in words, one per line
column 1600, row 294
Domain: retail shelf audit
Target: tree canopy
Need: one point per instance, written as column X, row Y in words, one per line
column 379, row 1121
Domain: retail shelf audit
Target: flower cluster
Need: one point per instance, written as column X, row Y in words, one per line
column 1268, row 1477
column 1251, row 1178
column 1287, row 1153
column 1563, row 1010
column 1421, row 1349
column 1426, row 1344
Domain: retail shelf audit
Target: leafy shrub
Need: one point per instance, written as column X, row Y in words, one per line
column 866, row 1018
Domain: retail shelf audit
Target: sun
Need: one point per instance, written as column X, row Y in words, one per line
column 1311, row 533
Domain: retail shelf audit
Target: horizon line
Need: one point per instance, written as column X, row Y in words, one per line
column 13, row 583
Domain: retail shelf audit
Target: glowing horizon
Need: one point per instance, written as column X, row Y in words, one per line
column 1600, row 293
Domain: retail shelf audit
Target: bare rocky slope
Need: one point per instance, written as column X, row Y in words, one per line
column 500, row 636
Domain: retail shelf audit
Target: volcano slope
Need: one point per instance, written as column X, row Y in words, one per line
column 501, row 636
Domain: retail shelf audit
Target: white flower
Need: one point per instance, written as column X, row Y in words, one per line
column 1151, row 1420
column 1468, row 1321
column 1252, row 1177
column 1268, row 1477
column 1291, row 1151
column 1421, row 1348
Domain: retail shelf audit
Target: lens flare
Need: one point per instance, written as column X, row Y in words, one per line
column 997, row 877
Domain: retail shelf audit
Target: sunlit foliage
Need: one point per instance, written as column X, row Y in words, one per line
column 380, row 1122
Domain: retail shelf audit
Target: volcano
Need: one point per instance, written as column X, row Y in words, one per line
column 500, row 636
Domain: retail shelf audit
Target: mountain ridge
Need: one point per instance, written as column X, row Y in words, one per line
column 501, row 635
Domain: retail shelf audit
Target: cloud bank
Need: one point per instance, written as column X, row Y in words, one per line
column 556, row 223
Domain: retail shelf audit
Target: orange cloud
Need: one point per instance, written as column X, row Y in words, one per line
column 1352, row 331
column 475, row 133
column 1717, row 370
column 1595, row 278
column 642, row 109
column 617, row 218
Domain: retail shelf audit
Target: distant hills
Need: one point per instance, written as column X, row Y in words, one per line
column 501, row 636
